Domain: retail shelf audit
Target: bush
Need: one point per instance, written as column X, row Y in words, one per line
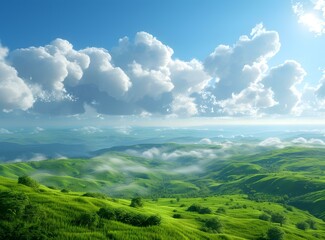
column 87, row 219
column 106, row 213
column 177, row 215
column 302, row 225
column 136, row 202
column 212, row 225
column 275, row 233
column 205, row 210
column 221, row 210
column 65, row 190
column 194, row 207
column 135, row 219
column 12, row 205
column 264, row 217
column 95, row 195
column 28, row 181
column 278, row 218
column 153, row 220
column 311, row 223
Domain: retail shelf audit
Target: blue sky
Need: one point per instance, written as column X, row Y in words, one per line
column 178, row 59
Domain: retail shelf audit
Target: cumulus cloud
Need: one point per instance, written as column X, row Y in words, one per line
column 104, row 75
column 141, row 77
column 251, row 101
column 282, row 80
column 14, row 92
column 150, row 82
column 188, row 77
column 146, row 50
column 311, row 14
column 184, row 106
column 235, row 68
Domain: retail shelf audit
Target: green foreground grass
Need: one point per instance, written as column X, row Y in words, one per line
column 238, row 215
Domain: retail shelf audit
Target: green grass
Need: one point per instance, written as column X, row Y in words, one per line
column 246, row 186
column 240, row 220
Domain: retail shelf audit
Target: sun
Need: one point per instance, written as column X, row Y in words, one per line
column 312, row 22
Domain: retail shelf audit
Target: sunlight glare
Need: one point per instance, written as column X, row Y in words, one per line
column 312, row 22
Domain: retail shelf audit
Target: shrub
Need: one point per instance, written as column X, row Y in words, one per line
column 275, row 233
column 264, row 217
column 153, row 220
column 278, row 218
column 311, row 223
column 135, row 219
column 194, row 207
column 65, row 190
column 12, row 205
column 221, row 210
column 302, row 225
column 95, row 195
column 205, row 210
column 177, row 215
column 28, row 181
column 212, row 225
column 87, row 219
column 136, row 202
column 106, row 213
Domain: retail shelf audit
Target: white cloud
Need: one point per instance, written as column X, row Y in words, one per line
column 271, row 142
column 188, row 170
column 142, row 77
column 104, row 75
column 299, row 140
column 282, row 80
column 251, row 101
column 146, row 50
column 39, row 68
column 150, row 82
column 151, row 153
column 184, row 106
column 88, row 130
column 235, row 68
column 311, row 14
column 14, row 92
column 304, row 141
column 188, row 77
column 205, row 141
column 4, row 131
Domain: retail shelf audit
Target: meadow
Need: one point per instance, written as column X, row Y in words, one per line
column 188, row 191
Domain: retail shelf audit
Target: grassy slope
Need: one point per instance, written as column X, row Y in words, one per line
column 239, row 222
column 296, row 172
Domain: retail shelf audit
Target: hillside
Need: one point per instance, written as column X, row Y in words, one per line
column 244, row 186
column 290, row 175
column 50, row 213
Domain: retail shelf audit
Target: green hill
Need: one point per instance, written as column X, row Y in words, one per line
column 48, row 213
column 280, row 179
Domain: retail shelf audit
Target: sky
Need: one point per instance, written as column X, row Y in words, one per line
column 152, row 60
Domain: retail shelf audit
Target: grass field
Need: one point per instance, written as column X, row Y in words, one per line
column 243, row 193
column 239, row 216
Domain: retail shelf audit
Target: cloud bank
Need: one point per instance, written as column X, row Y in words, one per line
column 141, row 77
